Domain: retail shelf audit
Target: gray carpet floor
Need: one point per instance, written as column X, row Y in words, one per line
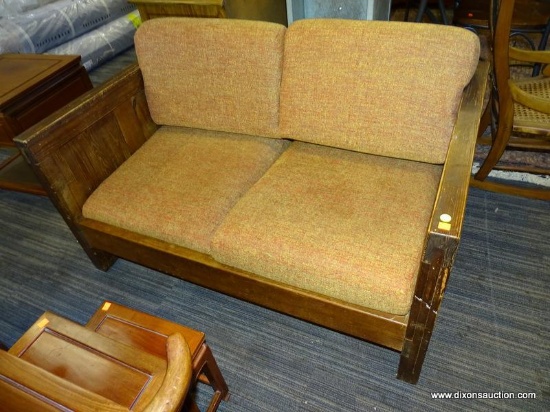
column 492, row 335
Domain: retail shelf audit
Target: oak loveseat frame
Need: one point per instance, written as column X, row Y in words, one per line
column 75, row 150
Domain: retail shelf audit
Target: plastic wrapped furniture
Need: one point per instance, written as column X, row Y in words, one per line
column 56, row 23
column 14, row 7
column 103, row 43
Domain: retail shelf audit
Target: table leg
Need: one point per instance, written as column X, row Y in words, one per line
column 204, row 363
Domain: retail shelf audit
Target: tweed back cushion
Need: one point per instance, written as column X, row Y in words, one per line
column 387, row 88
column 213, row 74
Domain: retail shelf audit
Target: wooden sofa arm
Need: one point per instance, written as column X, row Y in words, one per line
column 75, row 149
column 445, row 228
column 453, row 188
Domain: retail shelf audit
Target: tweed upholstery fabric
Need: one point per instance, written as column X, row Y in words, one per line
column 215, row 74
column 181, row 183
column 344, row 224
column 388, row 88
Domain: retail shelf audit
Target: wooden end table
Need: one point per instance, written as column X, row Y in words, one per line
column 25, row 387
column 268, row 10
column 32, row 86
column 149, row 333
column 119, row 373
column 150, row 9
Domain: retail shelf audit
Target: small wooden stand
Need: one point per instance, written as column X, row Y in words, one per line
column 266, row 10
column 124, row 375
column 31, row 88
column 149, row 333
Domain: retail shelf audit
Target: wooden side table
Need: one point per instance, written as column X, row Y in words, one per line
column 149, row 333
column 266, row 10
column 25, row 387
column 122, row 374
column 32, row 86
column 151, row 9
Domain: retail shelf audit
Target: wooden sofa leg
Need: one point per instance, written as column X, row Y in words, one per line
column 101, row 260
column 412, row 358
column 429, row 291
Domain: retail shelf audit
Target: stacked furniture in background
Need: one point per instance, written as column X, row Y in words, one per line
column 519, row 110
column 265, row 10
column 15, row 7
column 94, row 29
column 32, row 86
column 339, row 9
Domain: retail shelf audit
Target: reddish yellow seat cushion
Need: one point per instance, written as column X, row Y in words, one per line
column 386, row 88
column 343, row 224
column 215, row 74
column 181, row 183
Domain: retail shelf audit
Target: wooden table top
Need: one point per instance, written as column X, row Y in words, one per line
column 140, row 329
column 21, row 74
column 122, row 374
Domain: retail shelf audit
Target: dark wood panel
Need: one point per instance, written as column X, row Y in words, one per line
column 33, row 87
column 122, row 374
column 25, row 387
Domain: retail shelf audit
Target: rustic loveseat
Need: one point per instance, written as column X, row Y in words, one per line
column 319, row 170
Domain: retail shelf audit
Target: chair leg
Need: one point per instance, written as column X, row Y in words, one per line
column 510, row 189
column 444, row 20
column 485, row 120
column 421, row 10
column 190, row 405
column 494, row 155
column 206, row 365
column 407, row 10
column 504, row 131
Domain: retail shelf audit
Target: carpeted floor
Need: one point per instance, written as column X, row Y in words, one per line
column 492, row 334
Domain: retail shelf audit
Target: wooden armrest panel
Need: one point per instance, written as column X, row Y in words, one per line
column 443, row 234
column 76, row 148
column 453, row 187
column 178, row 376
